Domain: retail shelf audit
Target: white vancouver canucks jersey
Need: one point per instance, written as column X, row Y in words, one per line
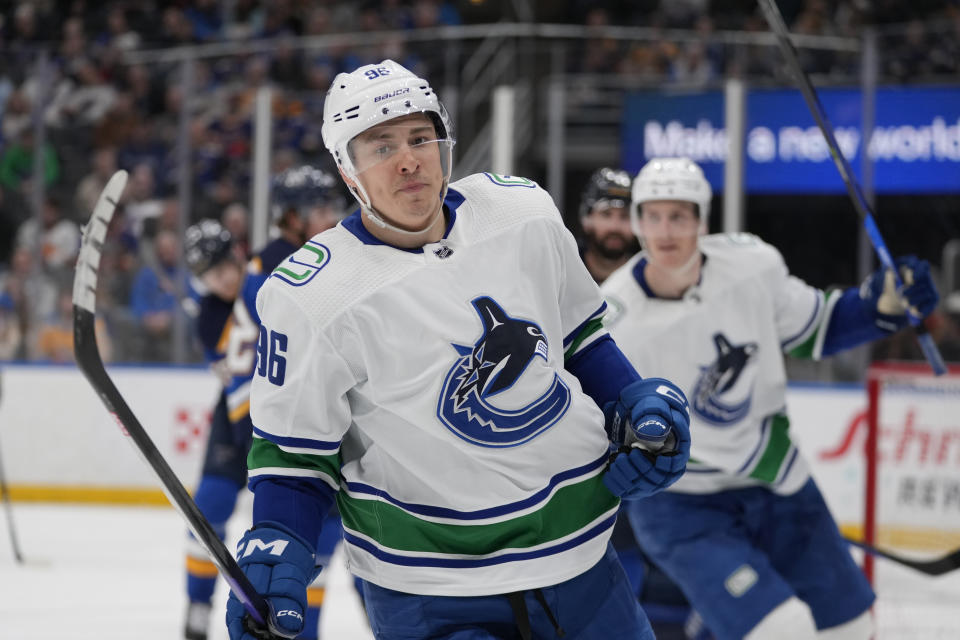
column 723, row 344
column 428, row 387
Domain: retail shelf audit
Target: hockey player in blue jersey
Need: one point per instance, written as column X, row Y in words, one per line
column 210, row 254
column 745, row 533
column 436, row 365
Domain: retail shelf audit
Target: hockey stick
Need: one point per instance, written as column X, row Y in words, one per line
column 8, row 508
column 934, row 567
column 777, row 25
column 89, row 361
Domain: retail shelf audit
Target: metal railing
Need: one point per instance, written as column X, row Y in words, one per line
column 561, row 112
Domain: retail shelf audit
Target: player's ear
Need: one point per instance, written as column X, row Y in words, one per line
column 350, row 183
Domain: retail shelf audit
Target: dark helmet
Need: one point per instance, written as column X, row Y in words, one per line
column 606, row 184
column 206, row 244
column 301, row 188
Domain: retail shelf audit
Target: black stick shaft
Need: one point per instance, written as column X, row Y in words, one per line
column 775, row 19
column 8, row 508
column 933, row 567
column 89, row 360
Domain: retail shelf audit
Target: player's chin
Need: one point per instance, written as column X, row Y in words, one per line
column 417, row 218
column 669, row 259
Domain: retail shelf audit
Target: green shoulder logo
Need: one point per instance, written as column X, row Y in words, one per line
column 510, row 181
column 305, row 263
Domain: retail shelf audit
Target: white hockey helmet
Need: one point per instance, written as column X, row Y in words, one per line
column 670, row 179
column 371, row 95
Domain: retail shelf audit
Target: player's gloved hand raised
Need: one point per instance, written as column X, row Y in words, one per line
column 650, row 422
column 279, row 565
column 889, row 310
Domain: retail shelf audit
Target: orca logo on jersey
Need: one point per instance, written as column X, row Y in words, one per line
column 494, row 364
column 719, row 378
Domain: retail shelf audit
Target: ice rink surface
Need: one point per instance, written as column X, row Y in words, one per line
column 105, row 573
column 114, row 573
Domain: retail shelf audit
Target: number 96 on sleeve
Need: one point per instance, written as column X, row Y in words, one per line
column 271, row 355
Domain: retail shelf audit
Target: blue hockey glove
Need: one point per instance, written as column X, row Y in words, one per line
column 279, row 565
column 650, row 423
column 878, row 293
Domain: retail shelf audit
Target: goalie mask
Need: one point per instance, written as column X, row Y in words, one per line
column 373, row 96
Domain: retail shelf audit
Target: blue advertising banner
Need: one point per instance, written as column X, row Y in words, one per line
column 915, row 144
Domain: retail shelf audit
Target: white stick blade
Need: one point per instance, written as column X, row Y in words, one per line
column 94, row 234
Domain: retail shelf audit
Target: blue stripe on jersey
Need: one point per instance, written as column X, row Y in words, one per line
column 481, row 514
column 354, row 223
column 466, row 563
column 642, row 280
column 788, row 466
column 576, row 332
column 764, row 426
column 300, row 443
column 806, row 327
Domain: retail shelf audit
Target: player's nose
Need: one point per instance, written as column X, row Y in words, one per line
column 407, row 162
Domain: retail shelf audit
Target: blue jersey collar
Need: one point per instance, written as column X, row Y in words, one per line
column 642, row 280
column 354, row 224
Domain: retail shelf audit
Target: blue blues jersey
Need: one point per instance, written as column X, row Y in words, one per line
column 245, row 328
column 212, row 327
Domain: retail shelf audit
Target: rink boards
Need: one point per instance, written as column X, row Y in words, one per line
column 58, row 443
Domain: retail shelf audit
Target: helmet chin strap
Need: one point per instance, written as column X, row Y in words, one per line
column 685, row 267
column 377, row 218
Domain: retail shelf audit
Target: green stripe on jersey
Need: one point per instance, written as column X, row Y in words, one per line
column 570, row 510
column 768, row 468
column 804, row 350
column 265, row 454
column 588, row 330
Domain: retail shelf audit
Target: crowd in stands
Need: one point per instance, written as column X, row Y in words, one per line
column 66, row 76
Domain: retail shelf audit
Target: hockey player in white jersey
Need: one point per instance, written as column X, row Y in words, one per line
column 745, row 532
column 435, row 364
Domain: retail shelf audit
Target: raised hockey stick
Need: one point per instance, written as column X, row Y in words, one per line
column 8, row 508
column 779, row 28
column 933, row 567
column 89, row 361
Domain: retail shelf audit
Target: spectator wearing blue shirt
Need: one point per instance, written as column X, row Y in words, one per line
column 153, row 297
